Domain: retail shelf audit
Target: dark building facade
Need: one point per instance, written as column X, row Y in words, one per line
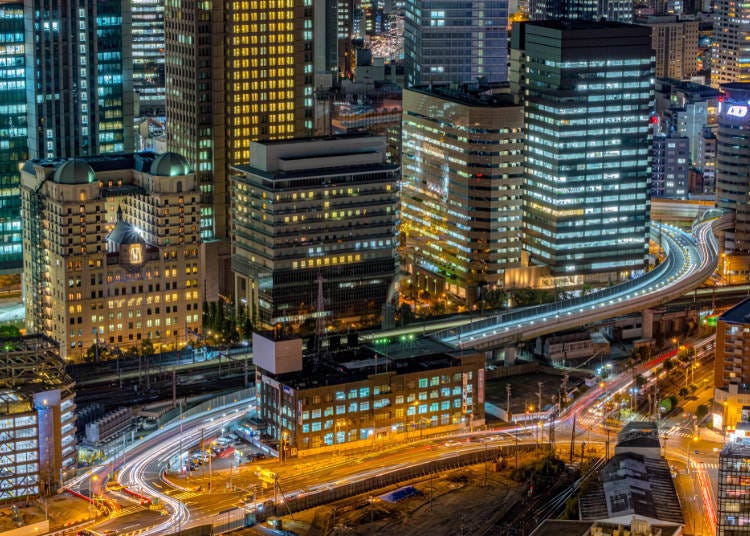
column 310, row 217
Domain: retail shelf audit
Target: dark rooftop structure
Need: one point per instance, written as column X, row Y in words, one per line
column 740, row 313
column 470, row 95
column 346, row 362
column 558, row 527
column 638, row 434
column 632, row 486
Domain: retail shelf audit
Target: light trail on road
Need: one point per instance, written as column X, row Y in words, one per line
column 133, row 472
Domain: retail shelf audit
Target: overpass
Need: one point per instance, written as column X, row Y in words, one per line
column 690, row 260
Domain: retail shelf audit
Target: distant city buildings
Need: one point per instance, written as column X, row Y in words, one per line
column 670, row 166
column 314, row 230
column 675, row 44
column 588, row 92
column 356, row 396
column 37, row 419
column 610, row 10
column 456, row 42
column 731, row 43
column 461, row 193
column 111, row 251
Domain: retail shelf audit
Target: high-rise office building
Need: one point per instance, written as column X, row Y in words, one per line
column 111, row 251
column 236, row 72
column 314, row 215
column 13, row 132
column 707, row 161
column 611, row 10
column 462, row 173
column 733, row 163
column 588, row 91
column 81, row 83
column 455, row 41
column 669, row 170
column 148, row 56
column 675, row 43
column 731, row 43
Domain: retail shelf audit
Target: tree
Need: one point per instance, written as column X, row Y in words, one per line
column 147, row 347
column 701, row 411
column 405, row 315
column 683, row 392
column 668, row 365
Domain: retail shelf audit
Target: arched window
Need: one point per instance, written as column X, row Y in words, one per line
column 179, row 187
column 82, row 195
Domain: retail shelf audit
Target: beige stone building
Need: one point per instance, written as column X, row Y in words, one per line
column 111, row 251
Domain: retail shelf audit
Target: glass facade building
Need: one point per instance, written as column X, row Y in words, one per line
column 733, row 163
column 455, row 41
column 81, row 84
column 13, row 132
column 462, row 173
column 148, row 55
column 588, row 91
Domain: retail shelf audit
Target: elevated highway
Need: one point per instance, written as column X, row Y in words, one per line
column 690, row 260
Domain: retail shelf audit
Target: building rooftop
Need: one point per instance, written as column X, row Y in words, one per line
column 467, row 95
column 558, row 527
column 357, row 363
column 76, row 170
column 739, row 314
column 632, row 485
column 687, row 86
column 582, row 24
column 318, row 172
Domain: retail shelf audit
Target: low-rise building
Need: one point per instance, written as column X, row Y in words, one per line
column 635, row 486
column 364, row 396
column 731, row 366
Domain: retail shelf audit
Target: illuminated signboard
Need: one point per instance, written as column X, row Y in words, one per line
column 736, row 110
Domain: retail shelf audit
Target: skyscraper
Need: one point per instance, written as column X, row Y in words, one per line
column 588, row 90
column 455, row 41
column 148, row 56
column 13, row 132
column 669, row 170
column 461, row 195
column 675, row 43
column 80, row 86
column 236, row 72
column 730, row 49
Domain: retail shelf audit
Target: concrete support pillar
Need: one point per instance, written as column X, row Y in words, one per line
column 510, row 356
column 647, row 324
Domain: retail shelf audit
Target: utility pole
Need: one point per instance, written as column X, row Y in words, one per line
column 507, row 401
column 539, row 395
column 573, row 438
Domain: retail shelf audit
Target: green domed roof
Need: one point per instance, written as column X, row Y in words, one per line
column 74, row 171
column 170, row 165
